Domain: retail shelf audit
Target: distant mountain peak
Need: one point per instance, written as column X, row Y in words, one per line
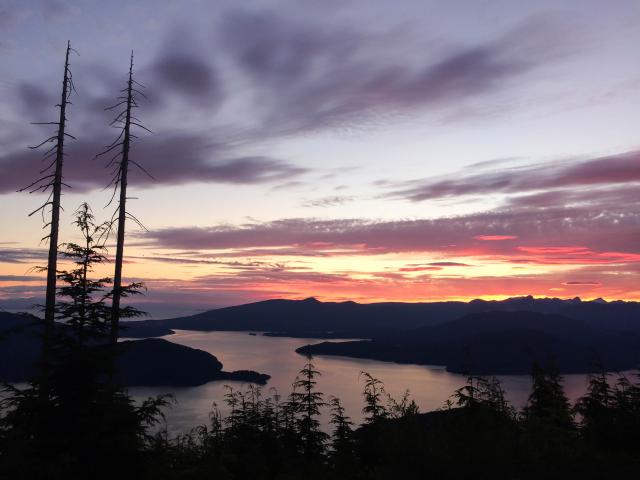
column 311, row 300
column 312, row 317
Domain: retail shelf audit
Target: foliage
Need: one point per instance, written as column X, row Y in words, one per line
column 308, row 403
column 72, row 412
column 481, row 392
column 373, row 393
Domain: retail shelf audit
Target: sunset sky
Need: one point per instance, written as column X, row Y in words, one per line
column 367, row 150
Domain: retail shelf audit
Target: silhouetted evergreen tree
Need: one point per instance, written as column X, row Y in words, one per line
column 403, row 408
column 597, row 411
column 342, row 440
column 309, row 402
column 549, row 431
column 82, row 304
column 85, row 414
column 626, row 404
column 481, row 392
column 481, row 438
column 548, row 403
column 373, row 394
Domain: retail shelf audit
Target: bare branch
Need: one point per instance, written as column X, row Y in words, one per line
column 143, row 169
column 41, row 179
column 138, row 222
column 50, row 139
column 141, row 126
column 116, row 105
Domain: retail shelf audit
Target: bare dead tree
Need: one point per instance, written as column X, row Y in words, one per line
column 51, row 181
column 119, row 163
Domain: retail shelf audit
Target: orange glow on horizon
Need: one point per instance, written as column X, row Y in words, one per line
column 546, row 271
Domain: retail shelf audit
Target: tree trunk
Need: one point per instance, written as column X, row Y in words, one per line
column 122, row 212
column 52, row 263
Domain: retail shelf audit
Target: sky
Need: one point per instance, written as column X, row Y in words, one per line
column 367, row 150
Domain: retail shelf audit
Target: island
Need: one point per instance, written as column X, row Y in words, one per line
column 498, row 343
column 146, row 362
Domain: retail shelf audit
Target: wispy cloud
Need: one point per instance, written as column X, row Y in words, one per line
column 22, row 255
column 173, row 158
column 581, row 235
column 594, row 172
column 340, row 75
column 299, row 75
column 332, row 201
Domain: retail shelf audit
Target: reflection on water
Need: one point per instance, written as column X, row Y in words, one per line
column 430, row 386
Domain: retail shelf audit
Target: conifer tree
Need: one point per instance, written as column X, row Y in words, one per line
column 597, row 409
column 309, row 402
column 547, row 402
column 342, row 441
column 84, row 414
column 403, row 408
column 373, row 393
column 626, row 404
column 483, row 392
column 80, row 308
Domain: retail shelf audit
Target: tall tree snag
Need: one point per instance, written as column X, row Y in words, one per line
column 120, row 164
column 51, row 182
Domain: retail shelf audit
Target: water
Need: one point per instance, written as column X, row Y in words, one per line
column 430, row 386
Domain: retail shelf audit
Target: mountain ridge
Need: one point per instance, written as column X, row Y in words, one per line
column 315, row 318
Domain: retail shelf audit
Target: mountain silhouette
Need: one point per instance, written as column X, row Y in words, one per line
column 498, row 343
column 486, row 337
column 148, row 362
column 312, row 318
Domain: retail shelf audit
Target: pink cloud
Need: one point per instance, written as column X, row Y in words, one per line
column 495, row 238
column 546, row 236
column 419, row 269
